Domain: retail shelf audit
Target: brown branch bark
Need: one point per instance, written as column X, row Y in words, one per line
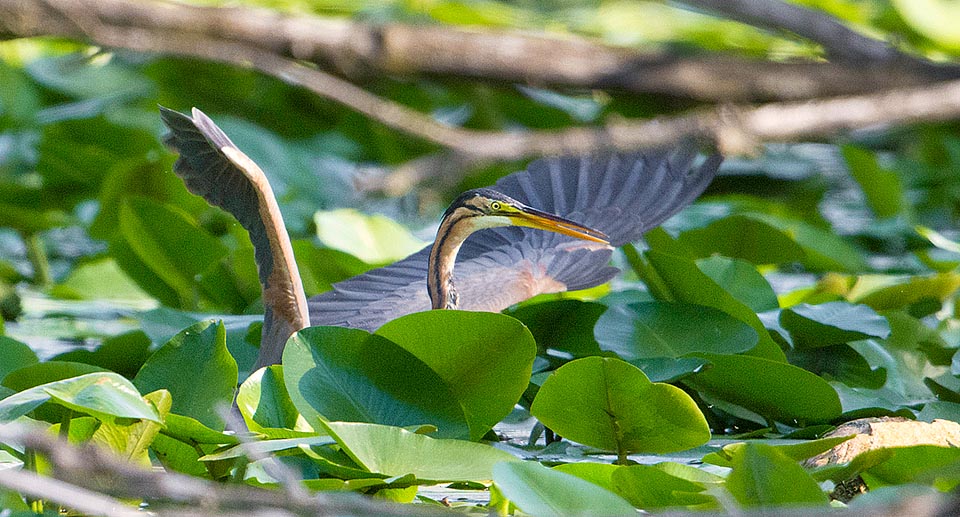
column 358, row 49
column 99, row 476
column 840, row 41
column 732, row 128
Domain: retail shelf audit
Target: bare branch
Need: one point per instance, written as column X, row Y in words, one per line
column 839, row 40
column 93, row 469
column 64, row 494
column 357, row 50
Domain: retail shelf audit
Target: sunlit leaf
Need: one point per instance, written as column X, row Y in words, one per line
column 769, row 388
column 341, row 374
column 104, row 395
column 374, row 239
column 687, row 283
column 264, row 402
column 741, row 237
column 610, row 404
column 742, row 280
column 538, row 490
column 484, row 358
column 648, row 487
column 765, row 477
column 197, row 370
column 396, row 452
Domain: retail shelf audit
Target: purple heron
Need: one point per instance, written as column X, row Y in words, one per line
column 600, row 203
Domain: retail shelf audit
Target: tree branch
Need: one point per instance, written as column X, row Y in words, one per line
column 839, row 40
column 90, row 471
column 358, row 50
column 732, row 128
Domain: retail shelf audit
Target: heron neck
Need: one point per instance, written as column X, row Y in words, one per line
column 450, row 236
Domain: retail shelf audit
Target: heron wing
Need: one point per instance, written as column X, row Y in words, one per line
column 214, row 168
column 623, row 195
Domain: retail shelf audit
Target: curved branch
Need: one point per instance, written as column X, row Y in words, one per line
column 839, row 40
column 358, row 50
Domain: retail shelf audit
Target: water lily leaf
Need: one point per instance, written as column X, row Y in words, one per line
column 661, row 329
column 131, row 440
column 666, row 369
column 832, row 323
column 397, row 452
column 927, row 464
column 742, row 280
column 886, row 292
column 124, row 353
column 104, row 395
column 648, row 488
column 264, row 402
column 27, row 377
column 162, row 323
column 170, row 246
column 769, row 388
column 341, row 374
column 822, row 249
column 484, row 358
column 763, row 476
column 610, row 404
column 190, row 431
column 540, row 491
column 262, row 447
column 563, row 325
column 374, row 239
column 686, row 283
column 840, row 362
column 14, row 355
column 738, row 236
column 197, row 369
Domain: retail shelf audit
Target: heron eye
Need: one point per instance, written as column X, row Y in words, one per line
column 495, row 205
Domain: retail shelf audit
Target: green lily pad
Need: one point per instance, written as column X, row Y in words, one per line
column 610, row 404
column 538, row 490
column 686, row 283
column 14, row 355
column 484, row 358
column 197, row 370
column 104, row 395
column 650, row 488
column 397, row 452
column 745, row 238
column 341, row 374
column 762, row 476
column 264, row 402
column 661, row 329
column 769, row 388
column 832, row 323
column 742, row 280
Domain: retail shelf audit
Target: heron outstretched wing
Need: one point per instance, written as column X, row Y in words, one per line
column 622, row 195
column 214, row 168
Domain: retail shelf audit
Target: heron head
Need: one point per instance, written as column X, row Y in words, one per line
column 487, row 208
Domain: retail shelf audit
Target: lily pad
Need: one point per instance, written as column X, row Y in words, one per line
column 832, row 323
column 197, row 370
column 397, row 452
column 610, row 404
column 661, row 329
column 104, row 395
column 538, row 490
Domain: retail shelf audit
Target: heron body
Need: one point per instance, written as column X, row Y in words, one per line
column 588, row 204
